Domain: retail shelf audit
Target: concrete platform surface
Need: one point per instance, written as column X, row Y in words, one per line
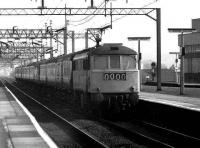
column 17, row 129
column 171, row 96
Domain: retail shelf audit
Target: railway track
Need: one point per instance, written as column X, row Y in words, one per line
column 139, row 139
column 145, row 133
column 154, row 135
column 83, row 138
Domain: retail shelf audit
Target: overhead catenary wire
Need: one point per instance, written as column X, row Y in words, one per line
column 150, row 3
column 138, row 11
column 90, row 17
column 45, row 20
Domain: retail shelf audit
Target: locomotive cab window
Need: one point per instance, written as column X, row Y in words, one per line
column 128, row 62
column 100, row 62
column 81, row 64
column 114, row 62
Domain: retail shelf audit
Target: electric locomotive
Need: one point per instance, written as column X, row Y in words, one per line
column 103, row 77
column 112, row 78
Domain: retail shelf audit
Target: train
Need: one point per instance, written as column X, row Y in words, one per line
column 105, row 77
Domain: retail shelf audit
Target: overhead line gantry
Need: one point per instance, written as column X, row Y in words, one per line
column 34, row 34
column 77, row 11
column 93, row 11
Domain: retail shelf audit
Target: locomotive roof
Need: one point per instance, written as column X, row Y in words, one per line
column 33, row 64
column 106, row 49
column 113, row 49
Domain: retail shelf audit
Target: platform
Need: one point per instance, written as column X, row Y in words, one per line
column 18, row 128
column 171, row 96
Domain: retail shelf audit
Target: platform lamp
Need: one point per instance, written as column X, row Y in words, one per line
column 182, row 51
column 139, row 53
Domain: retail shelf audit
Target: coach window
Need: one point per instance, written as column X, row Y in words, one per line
column 115, row 62
column 100, row 62
column 128, row 62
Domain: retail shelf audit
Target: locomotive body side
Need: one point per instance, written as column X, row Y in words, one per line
column 43, row 73
column 66, row 74
column 18, row 73
column 25, row 72
column 80, row 72
column 59, row 73
column 51, row 74
column 31, row 73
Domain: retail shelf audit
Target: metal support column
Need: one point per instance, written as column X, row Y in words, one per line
column 139, row 54
column 65, row 41
column 158, row 28
column 73, row 42
column 181, row 66
column 86, row 39
column 65, row 34
column 37, row 54
column 139, row 65
column 51, row 38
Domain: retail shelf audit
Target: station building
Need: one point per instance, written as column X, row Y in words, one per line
column 191, row 43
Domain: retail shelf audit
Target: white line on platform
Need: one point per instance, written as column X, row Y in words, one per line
column 43, row 134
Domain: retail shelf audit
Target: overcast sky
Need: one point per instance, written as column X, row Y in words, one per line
column 174, row 13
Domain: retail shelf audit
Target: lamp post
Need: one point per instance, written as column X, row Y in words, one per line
column 139, row 53
column 182, row 51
